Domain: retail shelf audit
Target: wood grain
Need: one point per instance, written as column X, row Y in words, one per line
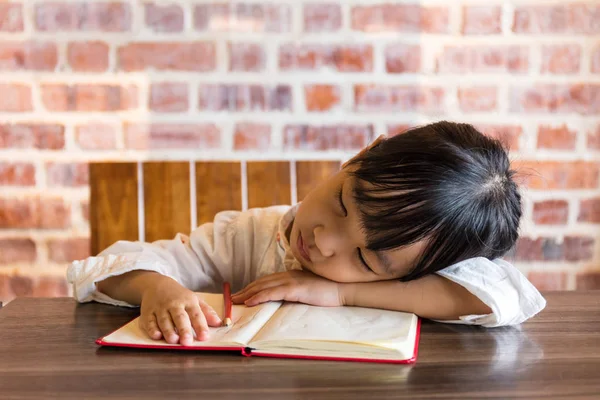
column 166, row 199
column 268, row 183
column 47, row 351
column 310, row 173
column 113, row 204
column 218, row 188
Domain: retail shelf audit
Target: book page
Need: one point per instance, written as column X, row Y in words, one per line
column 374, row 327
column 247, row 321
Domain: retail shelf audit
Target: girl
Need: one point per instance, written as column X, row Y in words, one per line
column 414, row 223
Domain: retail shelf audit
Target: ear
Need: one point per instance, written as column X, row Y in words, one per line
column 363, row 151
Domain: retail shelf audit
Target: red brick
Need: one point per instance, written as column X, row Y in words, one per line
column 400, row 18
column 32, row 136
column 88, row 56
column 321, row 97
column 397, row 129
column 68, row 250
column 6, row 293
column 483, row 59
column 248, row 57
column 402, row 58
column 545, row 175
column 593, row 139
column 164, row 18
column 548, row 280
column 540, row 249
column 482, row 20
column 509, row 135
column 17, row 250
column 344, row 58
column 556, row 137
column 589, row 210
column 172, row 136
column 83, row 16
column 556, row 98
column 561, row 59
column 398, row 98
column 589, row 280
column 17, row 174
column 28, row 56
column 233, row 97
column 595, row 62
column 572, row 18
column 579, row 248
column 551, row 212
column 322, row 17
column 21, row 285
column 169, row 97
column 252, row 136
column 243, row 17
column 473, row 99
column 193, row 56
column 67, row 174
column 88, row 97
column 96, row 136
column 328, row 137
column 50, row 286
column 15, row 97
column 34, row 212
column 11, row 17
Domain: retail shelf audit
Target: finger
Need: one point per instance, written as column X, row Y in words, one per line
column 165, row 323
column 242, row 297
column 149, row 325
column 182, row 322
column 272, row 294
column 212, row 318
column 198, row 322
column 260, row 281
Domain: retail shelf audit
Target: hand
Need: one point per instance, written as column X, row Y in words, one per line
column 176, row 313
column 298, row 286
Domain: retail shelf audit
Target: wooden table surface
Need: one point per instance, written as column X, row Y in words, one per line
column 47, row 350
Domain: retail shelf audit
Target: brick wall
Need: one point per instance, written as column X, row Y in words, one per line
column 140, row 80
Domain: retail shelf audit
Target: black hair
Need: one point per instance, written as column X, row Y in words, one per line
column 444, row 182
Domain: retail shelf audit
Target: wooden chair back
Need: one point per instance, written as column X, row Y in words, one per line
column 149, row 201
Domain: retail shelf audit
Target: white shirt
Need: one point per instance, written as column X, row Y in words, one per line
column 241, row 247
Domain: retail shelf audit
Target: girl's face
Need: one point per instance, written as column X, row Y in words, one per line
column 327, row 238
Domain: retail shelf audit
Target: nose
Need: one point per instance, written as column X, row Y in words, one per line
column 324, row 241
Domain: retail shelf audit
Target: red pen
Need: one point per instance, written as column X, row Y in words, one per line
column 227, row 304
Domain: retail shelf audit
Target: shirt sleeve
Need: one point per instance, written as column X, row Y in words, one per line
column 501, row 286
column 197, row 262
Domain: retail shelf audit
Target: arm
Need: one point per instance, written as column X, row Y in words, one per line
column 130, row 286
column 432, row 297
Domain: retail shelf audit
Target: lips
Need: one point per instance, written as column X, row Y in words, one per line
column 302, row 248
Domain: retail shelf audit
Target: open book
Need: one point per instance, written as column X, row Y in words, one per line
column 293, row 330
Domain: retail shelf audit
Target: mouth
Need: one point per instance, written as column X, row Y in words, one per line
column 302, row 248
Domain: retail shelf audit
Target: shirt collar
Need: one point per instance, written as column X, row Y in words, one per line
column 289, row 261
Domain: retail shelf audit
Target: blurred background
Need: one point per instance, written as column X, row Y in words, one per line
column 85, row 81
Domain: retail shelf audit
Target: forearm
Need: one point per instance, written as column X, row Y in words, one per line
column 432, row 297
column 130, row 287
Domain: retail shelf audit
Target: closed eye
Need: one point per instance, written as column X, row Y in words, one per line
column 362, row 260
column 341, row 201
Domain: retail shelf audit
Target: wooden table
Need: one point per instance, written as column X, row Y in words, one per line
column 47, row 351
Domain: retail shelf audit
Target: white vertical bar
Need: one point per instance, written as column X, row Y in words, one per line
column 293, row 183
column 140, row 199
column 244, row 179
column 193, row 210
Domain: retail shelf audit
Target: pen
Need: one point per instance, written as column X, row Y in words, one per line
column 227, row 304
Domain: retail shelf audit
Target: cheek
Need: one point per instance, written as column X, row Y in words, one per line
column 339, row 272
